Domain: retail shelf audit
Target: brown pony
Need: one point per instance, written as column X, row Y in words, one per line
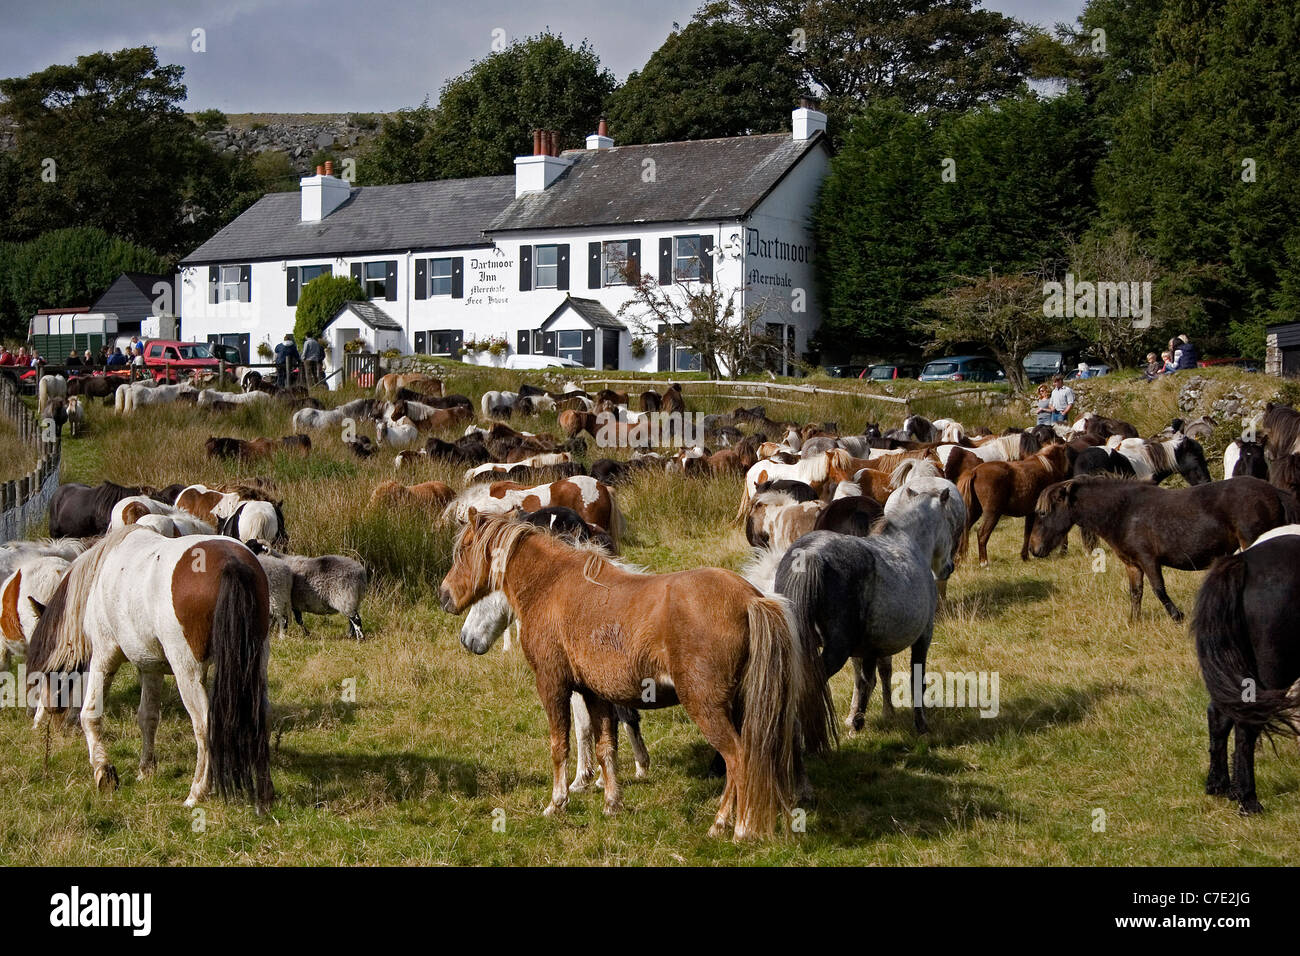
column 573, row 422
column 388, row 386
column 841, row 466
column 1011, row 488
column 436, row 420
column 430, row 496
column 706, row 639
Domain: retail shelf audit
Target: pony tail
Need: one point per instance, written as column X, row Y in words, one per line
column 771, row 687
column 1223, row 650
column 804, row 594
column 966, row 487
column 617, row 523
column 238, row 723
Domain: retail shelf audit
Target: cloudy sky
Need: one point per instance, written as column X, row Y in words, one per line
column 347, row 55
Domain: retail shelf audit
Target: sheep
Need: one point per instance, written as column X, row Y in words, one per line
column 279, row 581
column 329, row 584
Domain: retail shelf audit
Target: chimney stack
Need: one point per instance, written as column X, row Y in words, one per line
column 807, row 120
column 323, row 193
column 600, row 139
column 536, row 172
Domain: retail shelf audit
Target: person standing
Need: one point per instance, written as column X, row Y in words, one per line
column 1043, row 406
column 286, row 360
column 1061, row 401
column 312, row 357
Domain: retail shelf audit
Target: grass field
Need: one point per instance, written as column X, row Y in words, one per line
column 435, row 744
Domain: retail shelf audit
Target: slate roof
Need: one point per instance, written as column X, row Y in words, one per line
column 369, row 313
column 595, row 314
column 442, row 214
column 693, row 180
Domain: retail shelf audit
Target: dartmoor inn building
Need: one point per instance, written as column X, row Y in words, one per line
column 534, row 260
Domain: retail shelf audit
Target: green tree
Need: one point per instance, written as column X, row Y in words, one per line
column 485, row 116
column 713, row 78
column 65, row 267
column 927, row 54
column 102, row 142
column 909, row 203
column 1203, row 158
column 320, row 300
column 1003, row 313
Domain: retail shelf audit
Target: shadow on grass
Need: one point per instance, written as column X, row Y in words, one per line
column 316, row 778
column 995, row 594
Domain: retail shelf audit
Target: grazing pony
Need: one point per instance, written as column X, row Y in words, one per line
column 1157, row 459
column 260, row 521
column 997, row 488
column 706, row 639
column 389, row 385
column 594, row 502
column 80, row 511
column 1150, row 528
column 431, row 496
column 1281, row 424
column 871, row 597
column 1248, row 636
column 150, row 600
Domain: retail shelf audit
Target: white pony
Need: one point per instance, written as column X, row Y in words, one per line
column 51, row 386
column 210, row 395
column 260, row 521
column 16, row 552
column 498, row 404
column 175, row 525
column 131, row 509
column 133, row 396
column 399, row 434
column 76, row 414
column 503, row 469
column 168, row 604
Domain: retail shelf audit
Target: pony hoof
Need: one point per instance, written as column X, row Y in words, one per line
column 1217, row 788
column 855, row 722
column 553, row 809
column 145, row 771
column 642, row 772
column 106, row 778
column 580, row 785
column 717, row 830
column 1250, row 807
column 1176, row 616
column 612, row 808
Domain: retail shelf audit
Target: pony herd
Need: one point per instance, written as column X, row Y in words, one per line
column 854, row 538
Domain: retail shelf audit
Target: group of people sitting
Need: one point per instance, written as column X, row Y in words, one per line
column 21, row 358
column 1180, row 355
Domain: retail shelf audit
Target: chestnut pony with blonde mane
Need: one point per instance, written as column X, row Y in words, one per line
column 706, row 639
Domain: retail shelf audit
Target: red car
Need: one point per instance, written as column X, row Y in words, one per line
column 171, row 361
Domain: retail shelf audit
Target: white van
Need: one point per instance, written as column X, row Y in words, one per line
column 541, row 361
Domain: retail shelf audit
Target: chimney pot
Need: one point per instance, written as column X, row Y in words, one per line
column 537, row 142
column 550, row 142
column 320, row 170
column 601, row 128
column 329, row 167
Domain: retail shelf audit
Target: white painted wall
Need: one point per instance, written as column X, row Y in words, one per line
column 493, row 305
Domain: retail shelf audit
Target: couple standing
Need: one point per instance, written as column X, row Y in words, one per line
column 1054, row 406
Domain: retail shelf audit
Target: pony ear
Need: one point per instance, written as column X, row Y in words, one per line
column 943, row 495
column 911, row 492
column 37, row 606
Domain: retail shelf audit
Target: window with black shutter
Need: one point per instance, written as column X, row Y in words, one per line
column 634, row 259
column 523, row 342
column 421, row 286
column 291, row 286
column 458, row 277
column 562, row 266
column 706, row 258
column 525, row 268
column 665, row 261
column 390, row 280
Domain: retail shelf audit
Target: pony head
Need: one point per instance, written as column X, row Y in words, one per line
column 486, row 622
column 1054, row 514
column 479, row 559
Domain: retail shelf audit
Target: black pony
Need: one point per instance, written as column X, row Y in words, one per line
column 1151, row 528
column 1248, row 645
column 80, row 511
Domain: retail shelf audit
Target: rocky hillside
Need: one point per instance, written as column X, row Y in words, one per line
column 298, row 135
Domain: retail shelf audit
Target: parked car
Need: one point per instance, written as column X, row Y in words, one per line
column 171, row 361
column 1041, row 364
column 886, row 372
column 963, row 368
column 845, row 371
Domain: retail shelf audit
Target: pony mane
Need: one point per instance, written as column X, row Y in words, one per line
column 495, row 541
column 59, row 643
